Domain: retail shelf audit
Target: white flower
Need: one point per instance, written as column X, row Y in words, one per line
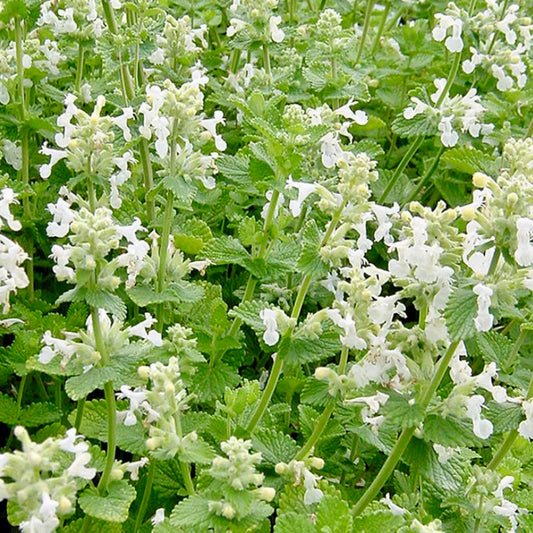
column 331, row 150
column 139, row 330
column 159, row 516
column 484, row 319
column 55, row 156
column 359, row 117
column 484, row 381
column 236, row 25
column 266, row 207
column 271, row 335
column 312, row 494
column 453, row 43
column 136, row 397
column 122, row 122
column 350, row 339
column 8, row 197
column 482, row 428
column 304, row 190
column 525, row 428
column 133, row 468
column 395, row 510
column 524, row 251
column 63, row 217
column 12, row 154
column 210, row 124
column 276, row 33
column 444, row 453
column 78, row 467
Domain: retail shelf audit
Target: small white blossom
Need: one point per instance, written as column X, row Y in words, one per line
column 482, row 427
column 484, row 320
column 304, row 190
column 271, row 335
column 524, row 251
column 276, row 33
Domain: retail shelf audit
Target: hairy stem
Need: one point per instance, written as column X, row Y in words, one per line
column 366, row 25
column 146, row 496
column 382, row 23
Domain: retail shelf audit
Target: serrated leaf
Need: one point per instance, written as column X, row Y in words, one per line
column 491, row 346
column 470, row 160
column 315, row 393
column 38, row 414
column 460, row 313
column 97, row 526
column 310, row 262
column 283, row 258
column 227, row 250
column 504, row 416
column 184, row 190
column 143, row 295
column 308, row 419
column 197, row 452
column 304, row 350
column 186, row 291
column 248, row 312
column 275, row 446
column 8, row 410
column 94, row 425
column 333, row 515
column 294, row 523
column 210, row 381
column 192, row 512
column 400, row 413
column 450, row 431
column 113, row 507
column 107, row 301
column 376, row 522
column 420, row 125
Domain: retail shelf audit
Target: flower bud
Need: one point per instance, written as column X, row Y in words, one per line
column 468, row 213
column 144, row 372
column 116, row 473
column 266, row 493
column 322, row 373
column 280, row 468
column 65, row 505
column 480, row 180
column 228, row 511
column 317, row 462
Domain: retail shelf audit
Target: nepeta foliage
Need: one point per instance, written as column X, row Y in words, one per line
column 266, row 266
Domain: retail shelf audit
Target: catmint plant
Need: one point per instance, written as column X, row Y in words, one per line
column 266, row 266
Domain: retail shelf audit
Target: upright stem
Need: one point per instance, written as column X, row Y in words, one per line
column 20, row 65
column 405, row 437
column 322, row 422
column 146, row 496
column 266, row 61
column 163, row 253
column 110, row 403
column 252, row 282
column 382, row 23
column 79, row 66
column 427, row 175
column 286, row 339
column 366, row 25
column 516, row 347
column 148, row 178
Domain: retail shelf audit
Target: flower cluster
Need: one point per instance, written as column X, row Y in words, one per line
column 299, row 472
column 39, row 484
column 256, row 19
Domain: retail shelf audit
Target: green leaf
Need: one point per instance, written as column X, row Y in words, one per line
column 143, row 295
column 38, row 414
column 8, row 410
column 94, row 425
column 308, row 420
column 275, row 446
column 294, row 523
column 235, row 167
column 304, row 350
column 97, row 526
column 333, row 515
column 193, row 512
column 315, row 393
column 113, row 507
column 248, row 312
column 192, row 236
column 283, row 258
column 309, row 262
column 504, row 416
column 450, row 431
column 460, row 313
column 400, row 413
column 197, row 452
column 470, row 160
column 422, row 124
column 107, row 301
column 227, row 250
column 210, row 381
column 378, row 522
column 490, row 347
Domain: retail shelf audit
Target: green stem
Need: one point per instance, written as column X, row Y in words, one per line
column 322, row 422
column 252, row 282
column 79, row 66
column 20, row 394
column 286, row 339
column 405, row 437
column 366, row 25
column 451, row 78
column 428, row 175
column 110, row 404
column 163, row 252
column 148, row 178
column 234, row 61
column 529, row 131
column 266, row 60
column 399, row 169
column 20, row 65
column 79, row 414
column 146, row 496
column 186, row 474
column 516, row 347
column 377, row 38
column 502, row 15
column 494, row 262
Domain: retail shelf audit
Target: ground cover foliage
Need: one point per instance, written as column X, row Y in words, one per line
column 266, row 266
